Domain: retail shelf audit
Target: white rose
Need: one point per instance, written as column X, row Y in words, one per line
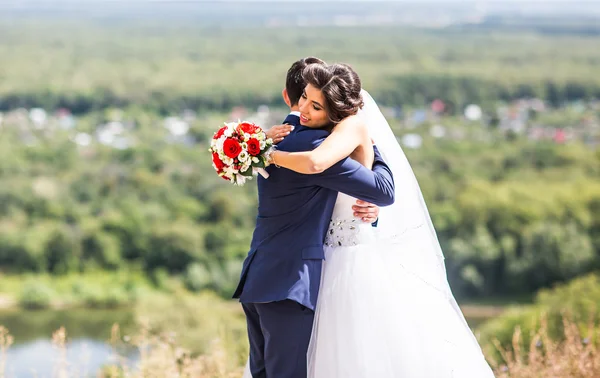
column 229, row 171
column 243, row 156
column 263, row 144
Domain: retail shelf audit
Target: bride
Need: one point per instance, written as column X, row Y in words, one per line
column 385, row 309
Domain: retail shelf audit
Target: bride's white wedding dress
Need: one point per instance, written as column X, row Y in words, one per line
column 375, row 318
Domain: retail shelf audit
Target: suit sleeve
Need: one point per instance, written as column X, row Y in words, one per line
column 350, row 177
column 378, row 160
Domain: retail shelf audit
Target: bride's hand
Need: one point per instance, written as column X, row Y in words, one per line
column 366, row 211
column 277, row 133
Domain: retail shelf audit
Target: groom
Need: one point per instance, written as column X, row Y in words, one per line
column 280, row 277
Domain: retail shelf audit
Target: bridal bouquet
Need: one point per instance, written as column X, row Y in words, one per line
column 238, row 151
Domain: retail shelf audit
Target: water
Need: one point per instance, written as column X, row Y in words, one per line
column 88, row 340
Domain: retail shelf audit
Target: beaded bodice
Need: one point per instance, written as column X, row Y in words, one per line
column 344, row 229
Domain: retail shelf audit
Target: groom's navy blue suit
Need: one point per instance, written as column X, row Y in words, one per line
column 280, row 277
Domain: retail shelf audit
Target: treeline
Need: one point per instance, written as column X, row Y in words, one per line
column 86, row 66
column 158, row 206
column 512, row 215
column 410, row 89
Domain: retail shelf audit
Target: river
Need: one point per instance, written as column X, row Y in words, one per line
column 88, row 333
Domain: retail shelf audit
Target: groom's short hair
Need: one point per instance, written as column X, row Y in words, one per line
column 294, row 83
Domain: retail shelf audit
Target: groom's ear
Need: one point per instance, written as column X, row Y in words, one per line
column 286, row 98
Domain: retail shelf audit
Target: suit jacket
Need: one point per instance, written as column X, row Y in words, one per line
column 294, row 211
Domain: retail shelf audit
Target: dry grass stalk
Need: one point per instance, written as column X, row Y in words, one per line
column 574, row 357
column 6, row 341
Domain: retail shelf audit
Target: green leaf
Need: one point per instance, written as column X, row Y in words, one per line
column 247, row 173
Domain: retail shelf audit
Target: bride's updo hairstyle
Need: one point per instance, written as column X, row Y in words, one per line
column 340, row 86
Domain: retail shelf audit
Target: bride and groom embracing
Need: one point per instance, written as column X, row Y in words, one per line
column 329, row 292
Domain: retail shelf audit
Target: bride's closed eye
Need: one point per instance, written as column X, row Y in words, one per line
column 306, row 98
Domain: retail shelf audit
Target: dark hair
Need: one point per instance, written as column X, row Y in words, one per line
column 294, row 83
column 341, row 88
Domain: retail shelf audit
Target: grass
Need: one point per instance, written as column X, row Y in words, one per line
column 161, row 355
column 183, row 335
column 197, row 321
column 180, row 334
column 575, row 356
column 102, row 289
column 578, row 298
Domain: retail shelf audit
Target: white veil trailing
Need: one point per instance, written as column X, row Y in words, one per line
column 407, row 224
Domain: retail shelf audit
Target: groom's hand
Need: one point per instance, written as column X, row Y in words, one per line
column 366, row 211
column 277, row 133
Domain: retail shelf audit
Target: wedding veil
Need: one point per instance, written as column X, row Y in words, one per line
column 407, row 222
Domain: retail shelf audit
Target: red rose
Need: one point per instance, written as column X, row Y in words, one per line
column 220, row 132
column 217, row 162
column 247, row 127
column 231, row 148
column 253, row 147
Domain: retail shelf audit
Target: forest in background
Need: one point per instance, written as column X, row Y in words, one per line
column 514, row 214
